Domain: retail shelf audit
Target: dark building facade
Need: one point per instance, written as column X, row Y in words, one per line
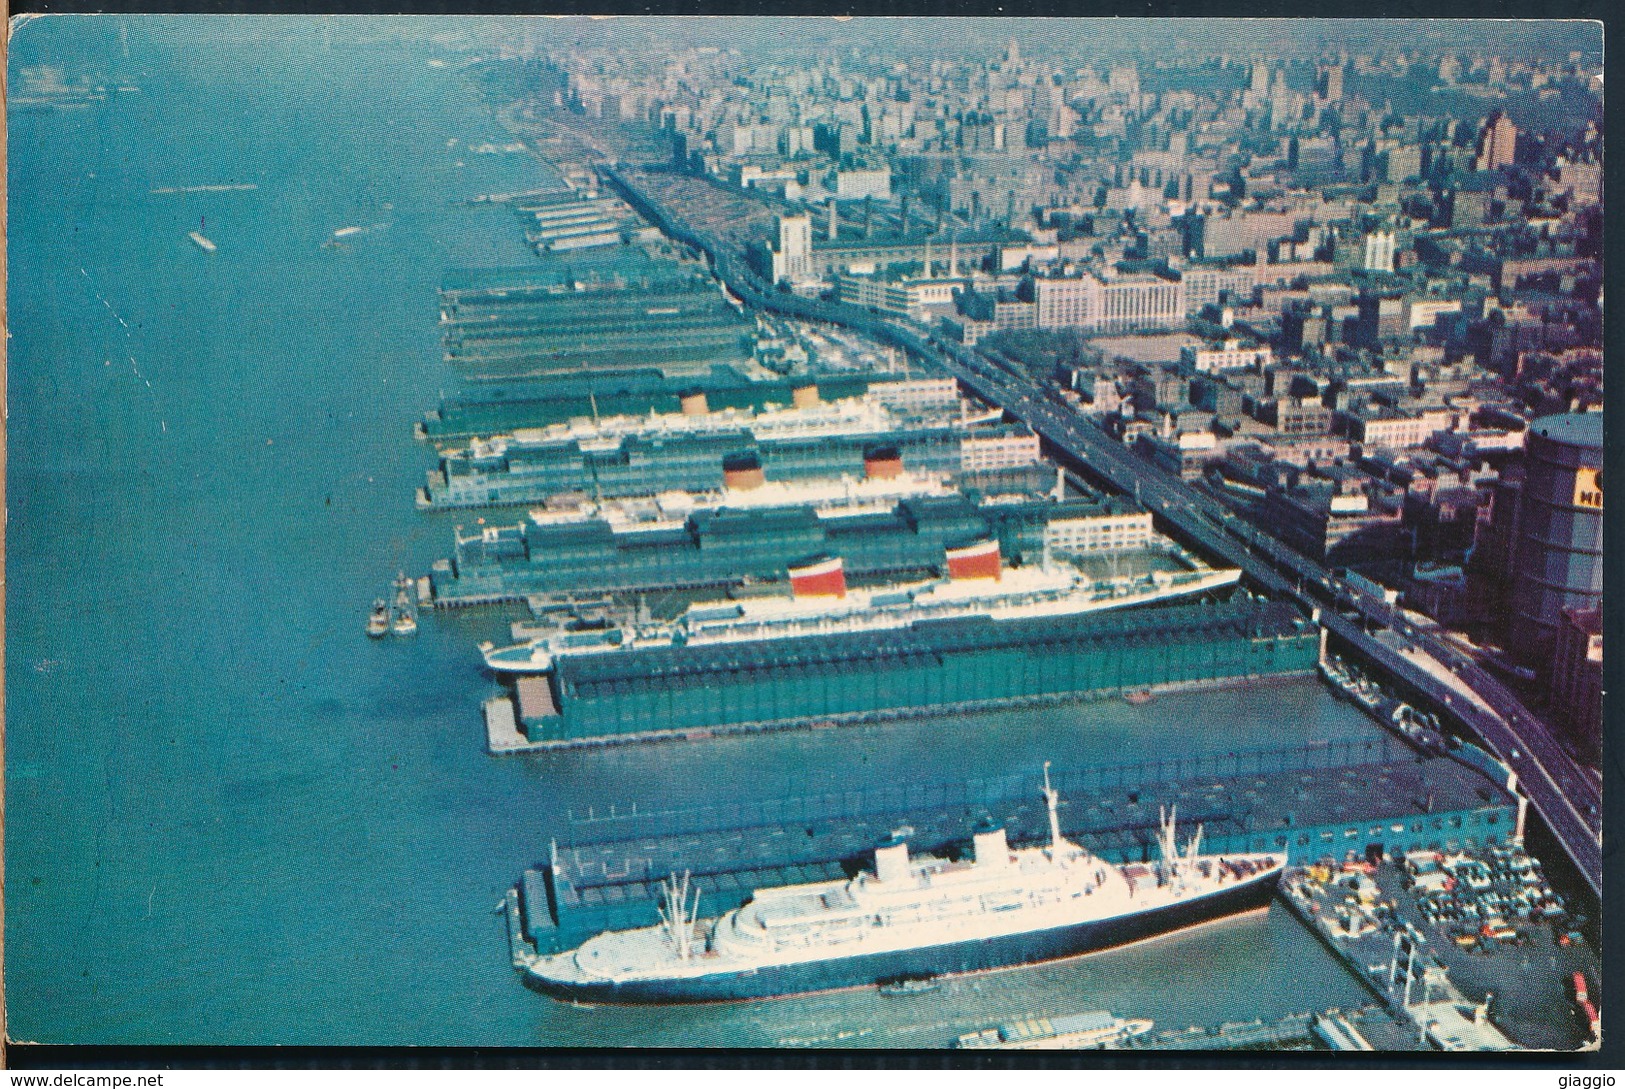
column 1558, row 558
column 1576, row 675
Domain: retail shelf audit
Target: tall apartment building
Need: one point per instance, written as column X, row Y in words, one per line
column 1379, row 252
column 1331, row 82
column 1423, row 313
column 1582, row 180
column 1497, row 142
column 792, row 250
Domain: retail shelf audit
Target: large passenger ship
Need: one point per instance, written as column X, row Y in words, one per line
column 821, row 605
column 911, row 918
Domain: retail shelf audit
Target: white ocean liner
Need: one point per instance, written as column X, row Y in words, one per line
column 1043, row 590
column 911, row 917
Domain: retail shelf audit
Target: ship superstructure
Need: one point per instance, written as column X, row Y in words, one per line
column 813, row 419
column 911, row 917
column 744, row 488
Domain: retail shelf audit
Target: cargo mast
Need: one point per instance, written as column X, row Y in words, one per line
column 1052, row 800
column 678, row 913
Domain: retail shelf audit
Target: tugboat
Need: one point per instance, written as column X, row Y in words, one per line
column 404, row 614
column 378, row 622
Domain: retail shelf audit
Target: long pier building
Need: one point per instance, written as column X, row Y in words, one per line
column 514, row 323
column 976, row 662
column 726, row 544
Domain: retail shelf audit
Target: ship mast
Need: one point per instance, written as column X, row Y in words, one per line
column 1170, row 850
column 678, row 913
column 1052, row 800
column 1173, row 859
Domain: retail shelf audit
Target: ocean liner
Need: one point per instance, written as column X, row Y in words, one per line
column 910, row 918
column 821, row 606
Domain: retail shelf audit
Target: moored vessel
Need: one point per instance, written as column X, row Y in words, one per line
column 904, row 987
column 403, row 618
column 822, row 606
column 910, row 918
column 1095, row 1028
column 378, row 621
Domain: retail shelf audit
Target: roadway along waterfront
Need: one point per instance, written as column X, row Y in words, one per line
column 1567, row 798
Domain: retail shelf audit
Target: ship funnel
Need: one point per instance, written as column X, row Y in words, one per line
column 693, row 402
column 991, row 847
column 891, row 861
column 805, row 395
column 975, row 561
column 821, row 578
column 742, row 472
column 882, row 463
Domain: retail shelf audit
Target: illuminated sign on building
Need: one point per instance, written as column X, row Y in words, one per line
column 1588, row 488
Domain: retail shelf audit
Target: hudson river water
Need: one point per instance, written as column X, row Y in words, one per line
column 231, row 817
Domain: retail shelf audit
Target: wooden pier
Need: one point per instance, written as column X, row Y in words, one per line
column 502, row 735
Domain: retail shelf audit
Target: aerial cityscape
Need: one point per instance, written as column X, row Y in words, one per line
column 989, row 533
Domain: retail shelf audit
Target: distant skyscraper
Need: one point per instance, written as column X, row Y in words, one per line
column 1497, row 142
column 1261, row 78
column 792, row 256
column 1331, row 78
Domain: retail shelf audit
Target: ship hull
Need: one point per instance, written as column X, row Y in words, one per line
column 1031, row 947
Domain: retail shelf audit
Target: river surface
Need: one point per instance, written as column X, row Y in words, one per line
column 230, row 817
